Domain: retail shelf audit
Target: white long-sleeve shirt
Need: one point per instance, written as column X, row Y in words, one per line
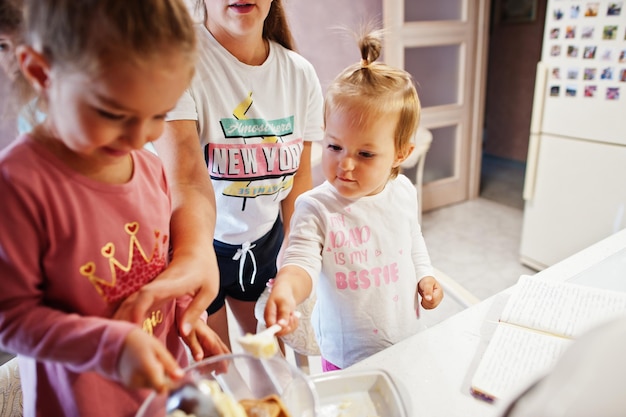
column 365, row 257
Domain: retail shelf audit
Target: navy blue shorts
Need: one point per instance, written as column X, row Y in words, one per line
column 245, row 269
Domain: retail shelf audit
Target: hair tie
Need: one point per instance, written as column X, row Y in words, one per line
column 364, row 63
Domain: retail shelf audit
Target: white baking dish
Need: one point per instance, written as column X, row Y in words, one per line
column 363, row 393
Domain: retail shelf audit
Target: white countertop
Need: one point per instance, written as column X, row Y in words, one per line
column 435, row 367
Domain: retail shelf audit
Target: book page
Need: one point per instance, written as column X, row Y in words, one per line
column 561, row 308
column 514, row 358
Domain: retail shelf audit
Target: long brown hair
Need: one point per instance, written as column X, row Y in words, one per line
column 276, row 27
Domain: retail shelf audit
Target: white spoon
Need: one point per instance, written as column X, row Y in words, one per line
column 263, row 344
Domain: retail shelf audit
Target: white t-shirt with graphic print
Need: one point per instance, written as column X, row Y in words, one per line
column 252, row 122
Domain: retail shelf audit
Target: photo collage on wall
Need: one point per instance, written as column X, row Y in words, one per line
column 585, row 49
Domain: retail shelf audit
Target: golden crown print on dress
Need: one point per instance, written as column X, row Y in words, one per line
column 138, row 271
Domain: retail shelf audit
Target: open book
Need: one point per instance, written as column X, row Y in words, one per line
column 539, row 321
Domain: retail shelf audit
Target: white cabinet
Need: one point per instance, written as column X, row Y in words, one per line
column 579, row 198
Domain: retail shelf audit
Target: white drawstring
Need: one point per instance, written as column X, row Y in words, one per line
column 246, row 248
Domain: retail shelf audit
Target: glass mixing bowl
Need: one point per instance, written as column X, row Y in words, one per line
column 243, row 376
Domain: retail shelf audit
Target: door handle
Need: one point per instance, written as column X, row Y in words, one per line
column 536, row 122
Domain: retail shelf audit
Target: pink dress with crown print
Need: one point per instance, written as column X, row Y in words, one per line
column 71, row 249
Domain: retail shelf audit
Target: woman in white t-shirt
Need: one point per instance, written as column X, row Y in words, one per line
column 246, row 123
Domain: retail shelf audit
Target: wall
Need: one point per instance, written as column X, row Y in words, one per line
column 514, row 50
column 317, row 27
column 8, row 124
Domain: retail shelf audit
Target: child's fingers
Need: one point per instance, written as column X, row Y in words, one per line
column 196, row 308
column 145, row 362
column 211, row 343
column 438, row 294
column 214, row 346
column 287, row 318
column 293, row 322
column 435, row 296
column 170, row 368
column 426, row 286
column 270, row 312
column 134, row 307
column 194, row 346
column 428, row 305
column 284, row 314
column 426, row 292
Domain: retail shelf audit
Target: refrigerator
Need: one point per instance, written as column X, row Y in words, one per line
column 575, row 181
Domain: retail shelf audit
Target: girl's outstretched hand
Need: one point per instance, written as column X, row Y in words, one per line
column 431, row 292
column 280, row 308
column 185, row 275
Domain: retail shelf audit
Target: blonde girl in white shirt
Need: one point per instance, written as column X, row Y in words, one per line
column 355, row 240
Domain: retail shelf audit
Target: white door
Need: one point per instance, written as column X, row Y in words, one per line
column 443, row 44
